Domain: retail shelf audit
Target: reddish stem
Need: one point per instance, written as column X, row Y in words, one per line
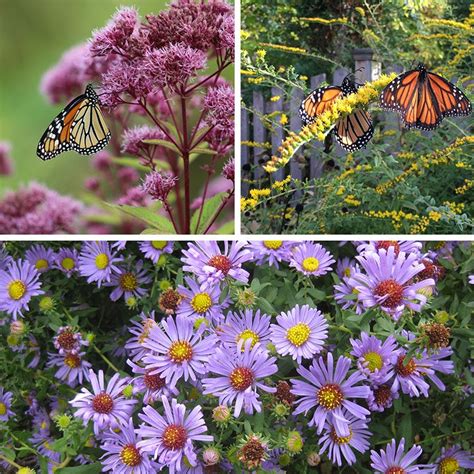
column 185, row 154
column 210, row 172
column 221, row 207
column 168, row 210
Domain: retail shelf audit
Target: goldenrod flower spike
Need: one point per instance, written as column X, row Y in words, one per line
column 318, row 130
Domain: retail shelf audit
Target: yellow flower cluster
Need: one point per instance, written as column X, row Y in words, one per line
column 435, row 216
column 248, row 204
column 468, row 184
column 246, row 72
column 351, row 200
column 255, row 80
column 318, row 130
column 455, row 208
column 281, row 184
column 282, row 47
column 325, row 21
column 448, row 23
column 259, row 193
column 283, row 119
column 275, row 98
column 256, row 144
column 261, row 53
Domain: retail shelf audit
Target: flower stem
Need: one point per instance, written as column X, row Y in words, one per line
column 217, row 213
column 9, row 461
column 185, row 154
column 106, row 360
column 168, row 210
column 210, row 172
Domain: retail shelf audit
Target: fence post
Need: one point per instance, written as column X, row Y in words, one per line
column 244, row 149
column 363, row 58
column 297, row 96
column 277, row 135
column 258, row 132
column 315, row 161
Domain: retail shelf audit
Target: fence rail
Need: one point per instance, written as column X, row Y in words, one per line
column 253, row 129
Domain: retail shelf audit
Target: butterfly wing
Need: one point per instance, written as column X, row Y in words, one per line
column 56, row 137
column 89, row 132
column 451, row 101
column 354, row 131
column 318, row 102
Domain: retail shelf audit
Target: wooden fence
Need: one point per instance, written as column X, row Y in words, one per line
column 253, row 130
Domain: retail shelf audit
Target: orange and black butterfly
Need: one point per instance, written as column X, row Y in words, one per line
column 79, row 127
column 423, row 99
column 353, row 131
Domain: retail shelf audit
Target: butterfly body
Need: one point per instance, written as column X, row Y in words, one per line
column 424, row 98
column 353, row 131
column 79, row 127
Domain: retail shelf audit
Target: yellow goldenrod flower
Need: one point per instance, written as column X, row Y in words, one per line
column 282, row 47
column 261, row 54
column 435, row 216
column 325, row 21
column 283, row 119
column 275, row 98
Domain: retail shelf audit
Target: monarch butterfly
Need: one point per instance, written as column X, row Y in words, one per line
column 352, row 131
column 424, row 98
column 79, row 127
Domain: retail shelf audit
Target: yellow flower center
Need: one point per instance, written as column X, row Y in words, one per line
column 341, row 439
column 101, row 261
column 273, row 244
column 128, row 281
column 374, row 361
column 248, row 334
column 130, row 455
column 68, row 263
column 41, row 264
column 174, row 437
column 310, row 264
column 241, row 378
column 158, row 244
column 298, row 334
column 16, row 289
column 330, row 396
column 448, row 466
column 180, row 351
column 72, row 360
column 347, row 272
column 201, row 302
column 3, row 408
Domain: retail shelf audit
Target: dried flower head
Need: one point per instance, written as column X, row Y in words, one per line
column 437, row 335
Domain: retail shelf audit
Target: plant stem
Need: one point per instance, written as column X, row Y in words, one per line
column 216, row 215
column 106, row 360
column 168, row 210
column 185, row 154
column 9, row 461
column 210, row 172
column 217, row 72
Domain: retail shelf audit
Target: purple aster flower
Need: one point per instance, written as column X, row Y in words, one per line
column 18, row 284
column 5, row 404
column 158, row 184
column 201, row 302
column 66, row 260
column 33, row 348
column 245, row 325
column 388, row 281
column 174, row 65
column 471, row 279
column 338, row 447
column 122, row 456
column 300, row 332
column 407, row 246
column 177, row 350
column 132, row 139
column 154, row 249
column 97, row 262
column 330, row 393
column 40, row 257
column 43, row 443
column 151, row 385
column 395, row 460
column 73, row 369
column 381, row 396
column 311, row 259
column 239, row 371
column 6, row 164
column 211, row 265
column 452, row 459
column 36, row 209
column 105, row 406
column 128, row 282
column 272, row 252
column 345, row 295
column 374, row 358
column 68, row 341
column 438, row 365
column 169, row 437
column 140, row 331
column 345, row 267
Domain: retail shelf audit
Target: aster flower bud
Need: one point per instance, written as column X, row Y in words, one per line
column 90, row 337
column 158, row 185
column 13, row 340
column 221, row 414
column 164, row 284
column 281, row 410
column 294, row 442
column 46, row 303
column 25, row 470
column 313, row 459
column 211, row 456
column 17, row 328
column 131, row 302
column 63, row 421
column 246, row 298
column 162, row 260
column 128, row 391
column 441, row 317
column 284, row 460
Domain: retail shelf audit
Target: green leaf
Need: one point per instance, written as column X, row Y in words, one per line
column 160, row 224
column 203, row 151
column 227, row 228
column 86, row 469
column 165, row 143
column 208, row 212
column 135, row 163
column 405, row 428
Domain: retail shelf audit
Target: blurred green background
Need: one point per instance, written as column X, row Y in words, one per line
column 33, row 36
